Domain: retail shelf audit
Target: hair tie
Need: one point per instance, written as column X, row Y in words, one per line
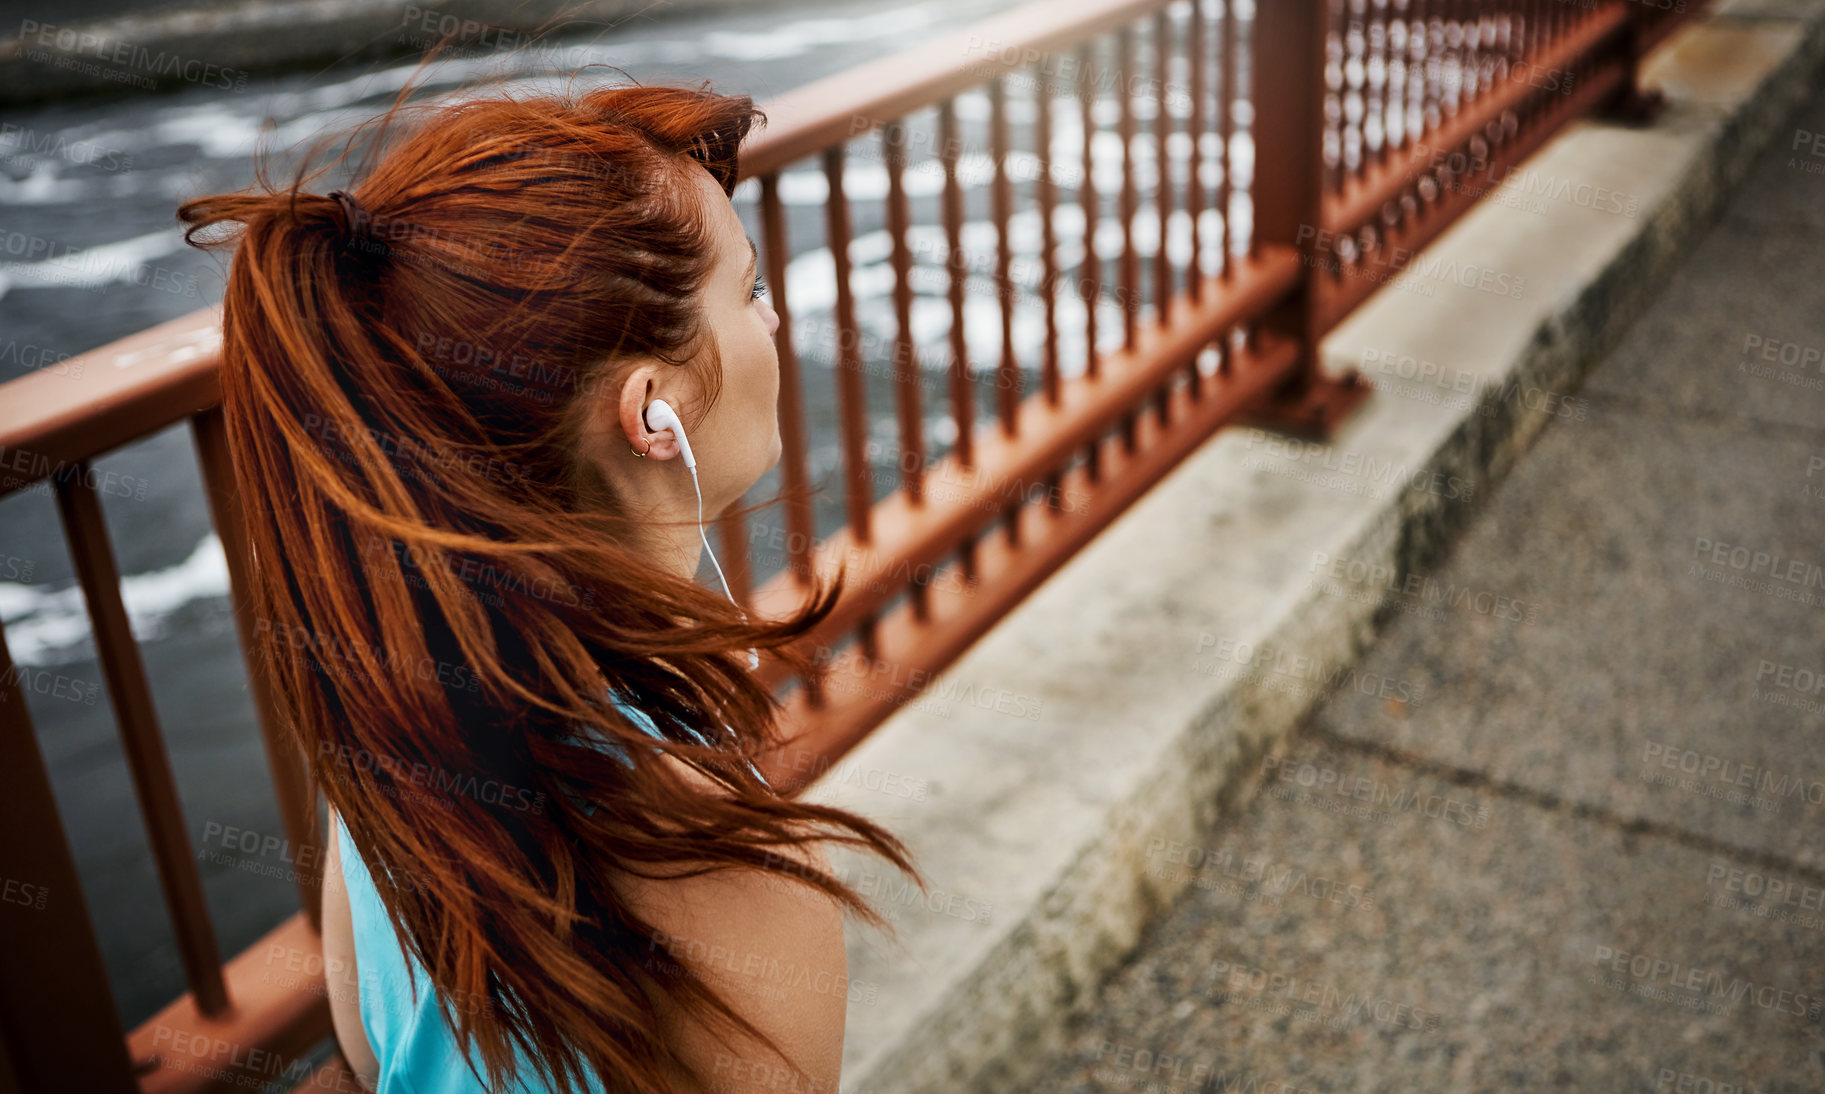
column 357, row 225
column 704, row 145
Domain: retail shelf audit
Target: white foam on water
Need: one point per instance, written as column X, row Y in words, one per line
column 47, row 626
column 43, row 186
column 92, row 267
column 803, row 35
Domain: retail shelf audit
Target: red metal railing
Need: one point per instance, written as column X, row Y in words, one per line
column 1372, row 125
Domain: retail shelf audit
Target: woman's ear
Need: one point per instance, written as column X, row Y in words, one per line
column 622, row 416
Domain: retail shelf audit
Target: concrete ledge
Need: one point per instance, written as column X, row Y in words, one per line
column 1129, row 700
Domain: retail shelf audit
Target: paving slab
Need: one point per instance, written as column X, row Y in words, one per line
column 1368, row 926
column 1585, row 637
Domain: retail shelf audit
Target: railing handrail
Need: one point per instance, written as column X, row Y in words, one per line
column 131, row 388
column 812, row 117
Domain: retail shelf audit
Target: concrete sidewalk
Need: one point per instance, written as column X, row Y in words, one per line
column 1569, row 833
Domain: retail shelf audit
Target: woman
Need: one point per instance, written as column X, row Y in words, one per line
column 553, row 865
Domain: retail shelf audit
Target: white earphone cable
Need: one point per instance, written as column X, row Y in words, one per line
column 706, row 537
column 753, row 656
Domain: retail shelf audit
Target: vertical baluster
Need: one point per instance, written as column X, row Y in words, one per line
column 1469, row 79
column 1358, row 28
column 1413, row 98
column 1460, row 60
column 297, row 799
column 1401, row 13
column 1229, row 88
column 1433, row 43
column 1493, row 65
column 1513, row 42
column 1197, row 56
column 1413, row 111
column 1047, row 195
column 1090, row 277
column 1226, row 131
column 1480, row 54
column 1128, row 291
column 906, row 366
column 1379, row 76
column 906, row 372
column 58, row 1029
column 1500, row 40
column 1377, row 25
column 1558, row 23
column 905, row 353
column 852, row 407
column 963, row 395
column 1522, row 18
column 1413, row 78
column 1440, row 44
column 1334, row 92
column 1163, row 286
column 1048, row 243
column 1511, row 51
column 1454, row 66
column 1395, row 29
column 1451, row 85
column 1513, row 13
column 1339, row 16
column 776, row 252
column 1008, row 372
column 1344, row 34
column 80, row 507
column 1130, row 262
column 1485, row 60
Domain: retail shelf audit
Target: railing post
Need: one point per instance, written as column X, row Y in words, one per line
column 58, row 1024
column 1287, row 95
column 129, row 692
column 1633, row 103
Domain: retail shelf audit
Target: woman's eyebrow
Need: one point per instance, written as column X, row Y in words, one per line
column 753, row 259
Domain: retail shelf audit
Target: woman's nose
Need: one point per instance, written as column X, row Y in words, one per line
column 772, row 318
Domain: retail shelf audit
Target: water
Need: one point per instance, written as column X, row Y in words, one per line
column 97, row 183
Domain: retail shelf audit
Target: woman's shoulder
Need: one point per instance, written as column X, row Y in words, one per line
column 770, row 944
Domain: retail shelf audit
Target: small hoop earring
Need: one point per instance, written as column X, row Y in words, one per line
column 642, row 455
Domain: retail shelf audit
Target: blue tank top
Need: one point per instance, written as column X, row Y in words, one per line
column 417, row 1052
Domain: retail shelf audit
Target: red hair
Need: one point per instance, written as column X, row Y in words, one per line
column 444, row 581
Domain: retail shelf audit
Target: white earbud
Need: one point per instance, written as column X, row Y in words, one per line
column 660, row 415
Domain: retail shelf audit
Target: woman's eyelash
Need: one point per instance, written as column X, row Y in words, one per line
column 760, row 286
